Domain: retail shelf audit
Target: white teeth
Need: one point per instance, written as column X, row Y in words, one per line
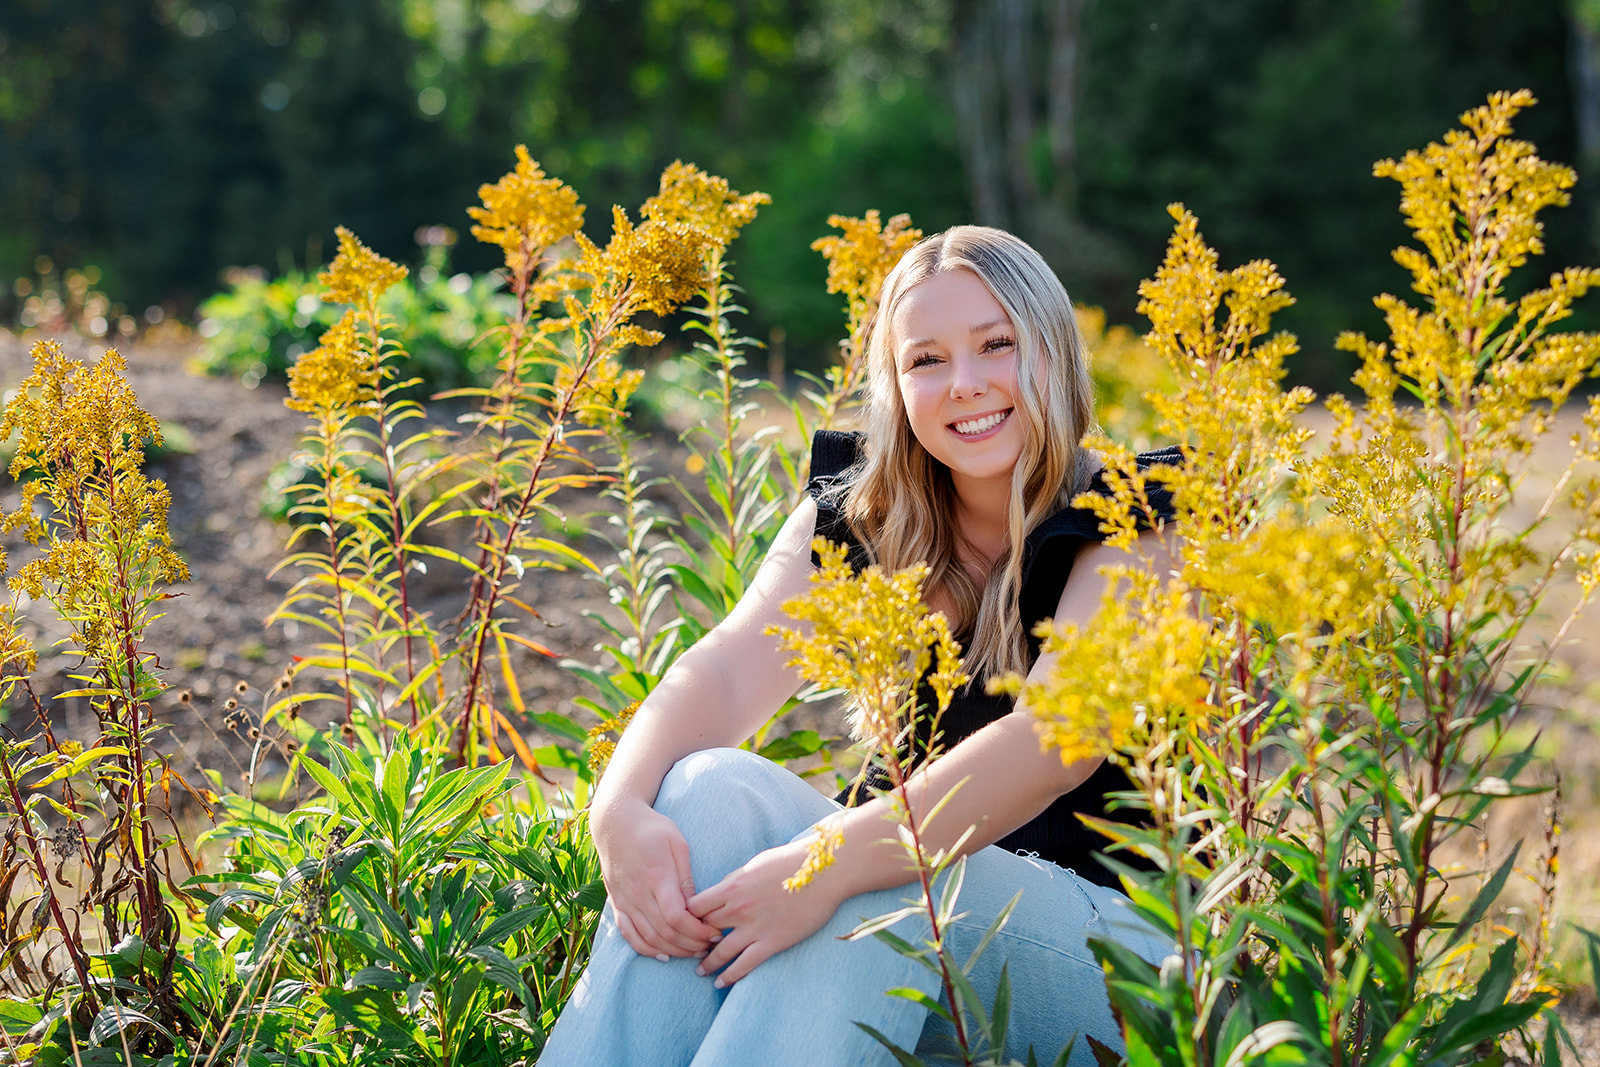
column 988, row 422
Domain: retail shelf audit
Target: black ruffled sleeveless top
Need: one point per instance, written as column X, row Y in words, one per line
column 1056, row 834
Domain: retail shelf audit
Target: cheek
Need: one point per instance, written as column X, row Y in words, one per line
column 919, row 405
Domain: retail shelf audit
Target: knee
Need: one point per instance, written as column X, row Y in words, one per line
column 710, row 776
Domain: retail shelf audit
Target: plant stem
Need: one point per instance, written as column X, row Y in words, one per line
column 402, row 560
column 74, row 949
column 488, row 599
column 330, row 443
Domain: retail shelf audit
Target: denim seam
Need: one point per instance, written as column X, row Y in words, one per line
column 1057, row 949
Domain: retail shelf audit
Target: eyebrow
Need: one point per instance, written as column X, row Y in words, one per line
column 982, row 327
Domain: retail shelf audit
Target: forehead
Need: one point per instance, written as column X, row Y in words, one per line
column 948, row 305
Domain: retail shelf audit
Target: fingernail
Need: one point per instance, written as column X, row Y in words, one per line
column 663, row 957
column 701, row 971
column 721, row 983
column 701, row 955
column 714, row 938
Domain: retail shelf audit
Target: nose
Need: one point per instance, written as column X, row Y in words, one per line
column 967, row 380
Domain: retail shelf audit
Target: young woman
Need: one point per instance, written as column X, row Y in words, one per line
column 978, row 394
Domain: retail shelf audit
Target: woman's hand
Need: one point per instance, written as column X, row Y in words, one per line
column 645, row 861
column 758, row 916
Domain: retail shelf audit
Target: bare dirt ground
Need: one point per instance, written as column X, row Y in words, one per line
column 214, row 636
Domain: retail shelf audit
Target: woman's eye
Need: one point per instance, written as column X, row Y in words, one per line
column 923, row 359
column 999, row 344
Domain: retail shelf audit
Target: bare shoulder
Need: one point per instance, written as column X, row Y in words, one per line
column 795, row 536
column 1085, row 590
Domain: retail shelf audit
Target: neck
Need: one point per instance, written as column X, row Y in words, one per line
column 981, row 515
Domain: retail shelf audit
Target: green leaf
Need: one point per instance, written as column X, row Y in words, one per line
column 795, row 745
column 917, row 996
column 78, row 762
column 882, row 922
column 18, row 1016
column 560, row 725
column 901, row 1056
column 373, row 1013
column 1264, row 1039
column 696, row 587
column 217, row 910
column 397, row 781
column 1592, row 943
column 499, row 969
column 1488, row 1025
column 1000, row 1016
column 378, row 978
column 510, row 923
column 330, row 783
column 591, row 895
column 115, row 1019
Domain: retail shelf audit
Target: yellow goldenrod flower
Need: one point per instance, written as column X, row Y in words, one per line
column 860, row 259
column 871, row 634
column 18, row 658
column 525, row 213
column 81, row 433
column 829, row 838
column 358, row 275
column 654, row 266
column 336, row 375
column 1136, row 673
column 75, row 417
column 704, row 201
column 604, row 394
column 602, row 747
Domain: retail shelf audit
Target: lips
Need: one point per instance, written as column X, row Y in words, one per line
column 981, row 425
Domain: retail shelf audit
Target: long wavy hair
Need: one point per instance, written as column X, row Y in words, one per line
column 900, row 501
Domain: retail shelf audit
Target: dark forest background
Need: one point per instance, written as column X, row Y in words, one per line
column 166, row 140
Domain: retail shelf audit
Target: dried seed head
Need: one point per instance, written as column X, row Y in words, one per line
column 231, row 704
column 242, row 687
column 347, row 730
column 185, row 697
column 294, row 711
column 254, row 733
column 284, row 683
column 291, row 745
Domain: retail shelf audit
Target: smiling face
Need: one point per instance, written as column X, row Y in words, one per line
column 956, row 366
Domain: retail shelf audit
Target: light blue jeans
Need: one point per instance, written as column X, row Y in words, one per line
column 800, row 1006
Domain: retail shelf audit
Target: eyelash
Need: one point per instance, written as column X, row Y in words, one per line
column 925, row 358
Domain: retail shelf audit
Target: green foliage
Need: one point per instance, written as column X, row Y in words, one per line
column 258, row 327
column 416, row 914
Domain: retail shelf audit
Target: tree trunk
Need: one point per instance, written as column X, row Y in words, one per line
column 1015, row 18
column 1016, row 69
column 973, row 85
column 1066, row 24
column 1583, row 69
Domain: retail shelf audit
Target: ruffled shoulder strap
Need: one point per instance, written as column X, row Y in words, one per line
column 834, row 453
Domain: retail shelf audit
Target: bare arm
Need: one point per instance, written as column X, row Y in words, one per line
column 721, row 690
column 716, row 694
column 1000, row 776
column 1000, row 780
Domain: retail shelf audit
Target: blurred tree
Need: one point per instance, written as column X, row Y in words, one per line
column 1265, row 117
column 1015, row 79
column 166, row 139
column 1583, row 20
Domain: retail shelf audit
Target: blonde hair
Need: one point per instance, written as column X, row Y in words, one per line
column 901, row 502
